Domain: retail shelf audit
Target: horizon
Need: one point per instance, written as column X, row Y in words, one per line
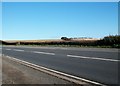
column 53, row 20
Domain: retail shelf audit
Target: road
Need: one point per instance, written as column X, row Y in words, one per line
column 100, row 65
column 27, row 75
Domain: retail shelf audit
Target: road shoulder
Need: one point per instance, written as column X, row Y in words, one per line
column 15, row 73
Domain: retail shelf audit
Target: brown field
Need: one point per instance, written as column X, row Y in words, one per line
column 51, row 40
column 72, row 42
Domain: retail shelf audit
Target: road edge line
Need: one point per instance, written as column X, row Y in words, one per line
column 71, row 78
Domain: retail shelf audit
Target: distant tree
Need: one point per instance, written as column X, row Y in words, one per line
column 111, row 40
column 65, row 38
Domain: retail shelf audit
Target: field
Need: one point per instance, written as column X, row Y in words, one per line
column 108, row 41
column 50, row 42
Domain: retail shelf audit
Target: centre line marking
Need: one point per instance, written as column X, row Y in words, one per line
column 44, row 53
column 17, row 50
column 82, row 57
column 8, row 49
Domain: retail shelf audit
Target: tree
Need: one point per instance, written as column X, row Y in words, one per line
column 65, row 38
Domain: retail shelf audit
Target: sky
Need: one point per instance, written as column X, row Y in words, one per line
column 53, row 20
column 0, row 20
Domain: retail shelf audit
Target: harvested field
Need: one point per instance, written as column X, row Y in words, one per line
column 109, row 42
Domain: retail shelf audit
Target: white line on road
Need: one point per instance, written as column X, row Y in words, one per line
column 55, row 73
column 17, row 50
column 82, row 57
column 8, row 49
column 43, row 53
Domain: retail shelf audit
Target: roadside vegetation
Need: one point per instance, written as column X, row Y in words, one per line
column 106, row 42
column 112, row 41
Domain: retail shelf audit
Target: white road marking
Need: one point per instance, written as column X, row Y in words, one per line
column 83, row 57
column 75, row 56
column 43, row 53
column 8, row 49
column 54, row 72
column 17, row 50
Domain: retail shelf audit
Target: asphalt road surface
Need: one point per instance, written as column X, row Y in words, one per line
column 100, row 65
